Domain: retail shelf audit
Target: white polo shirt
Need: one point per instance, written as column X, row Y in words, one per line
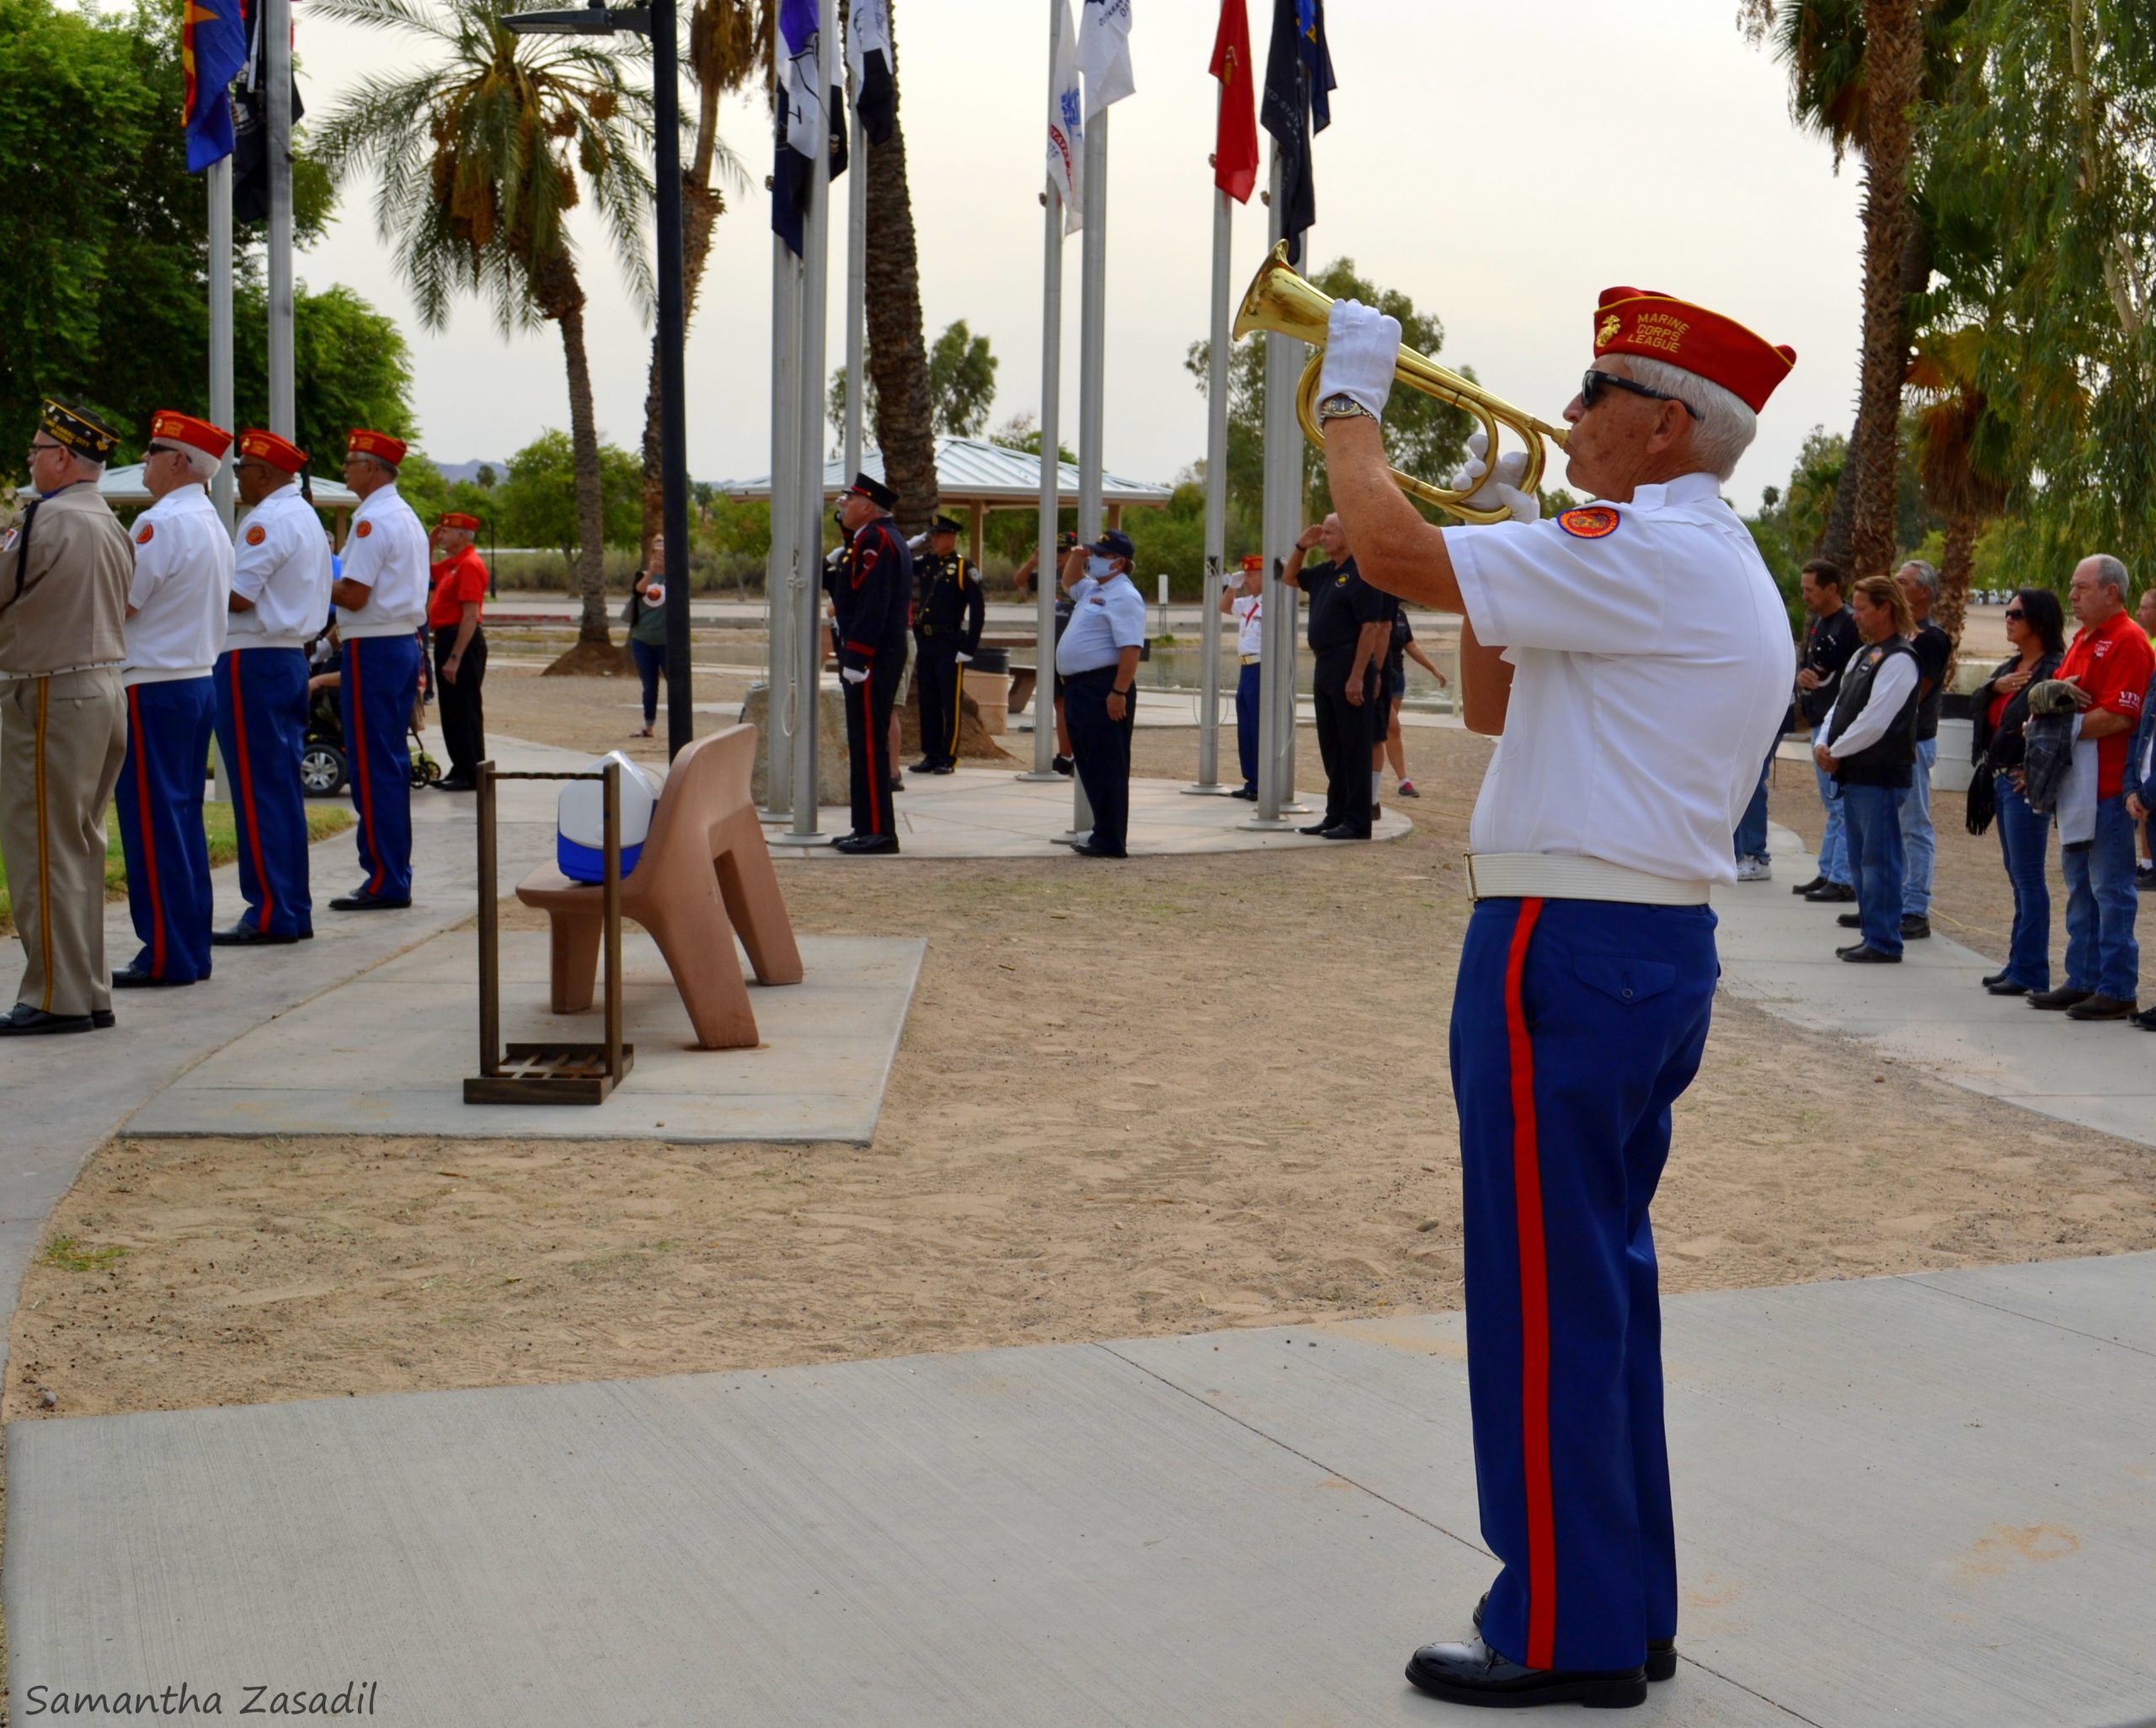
column 1250, row 632
column 386, row 550
column 182, row 576
column 1652, row 667
column 281, row 562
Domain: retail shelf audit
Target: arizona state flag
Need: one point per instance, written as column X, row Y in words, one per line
column 212, row 49
column 1234, row 148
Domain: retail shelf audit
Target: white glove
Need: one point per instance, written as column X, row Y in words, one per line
column 852, row 676
column 965, row 659
column 1362, row 346
column 1499, row 490
column 1231, row 579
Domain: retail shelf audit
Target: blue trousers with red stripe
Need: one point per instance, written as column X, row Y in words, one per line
column 1576, row 1026
column 380, row 684
column 159, row 798
column 261, row 729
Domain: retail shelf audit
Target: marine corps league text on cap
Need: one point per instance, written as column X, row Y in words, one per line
column 287, row 458
column 176, row 428
column 378, row 445
column 1649, row 324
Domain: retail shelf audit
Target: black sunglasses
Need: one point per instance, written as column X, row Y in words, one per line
column 1592, row 384
column 2016, row 612
column 159, row 450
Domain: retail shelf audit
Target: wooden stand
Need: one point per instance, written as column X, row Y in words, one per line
column 549, row 1073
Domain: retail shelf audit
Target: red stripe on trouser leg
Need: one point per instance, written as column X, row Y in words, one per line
column 1534, row 1313
column 247, row 799
column 879, row 774
column 149, row 838
column 363, row 779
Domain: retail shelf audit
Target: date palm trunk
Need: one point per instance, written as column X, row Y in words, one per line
column 898, row 352
column 561, row 298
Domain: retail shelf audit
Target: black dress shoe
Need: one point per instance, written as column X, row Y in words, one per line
column 1851, row 920
column 1315, row 827
column 365, row 902
column 24, row 1021
column 1473, row 1673
column 243, row 935
column 2065, row 996
column 1341, row 830
column 1864, row 954
column 1661, row 1652
column 1999, row 977
column 2102, row 1008
column 945, row 768
column 454, row 783
column 130, row 977
column 927, row 764
column 1248, row 794
column 1915, row 926
column 1829, row 892
column 103, row 1019
column 2146, row 1020
column 1062, row 764
column 859, row 845
column 2005, row 987
column 1086, row 848
column 1806, row 887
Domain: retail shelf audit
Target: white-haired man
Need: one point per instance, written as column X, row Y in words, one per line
column 176, row 604
column 63, row 603
column 1651, row 661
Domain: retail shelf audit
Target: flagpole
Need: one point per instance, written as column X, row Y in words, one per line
column 781, row 707
column 1092, row 370
column 1216, row 501
column 809, row 548
column 856, row 288
column 219, row 178
column 277, row 61
column 1282, row 451
column 1046, row 565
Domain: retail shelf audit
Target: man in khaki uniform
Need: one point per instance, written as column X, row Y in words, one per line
column 64, row 570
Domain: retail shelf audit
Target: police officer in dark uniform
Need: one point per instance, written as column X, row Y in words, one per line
column 870, row 600
column 946, row 630
column 1350, row 632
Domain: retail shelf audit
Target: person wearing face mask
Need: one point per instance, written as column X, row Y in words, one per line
column 1098, row 659
column 870, row 594
column 64, row 570
column 1646, row 666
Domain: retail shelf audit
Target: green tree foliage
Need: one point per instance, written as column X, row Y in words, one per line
column 535, row 504
column 1425, row 438
column 105, row 298
column 961, row 387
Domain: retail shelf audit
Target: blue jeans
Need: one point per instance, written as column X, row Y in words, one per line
column 1833, row 846
column 2101, row 954
column 1873, row 814
column 2022, row 837
column 1917, row 845
column 651, row 663
column 1246, row 724
column 1751, row 837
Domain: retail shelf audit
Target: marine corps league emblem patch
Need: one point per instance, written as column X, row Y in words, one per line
column 1594, row 523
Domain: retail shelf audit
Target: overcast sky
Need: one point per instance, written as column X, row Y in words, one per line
column 1500, row 165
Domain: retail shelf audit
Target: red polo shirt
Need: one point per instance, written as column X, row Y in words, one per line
column 458, row 581
column 2113, row 663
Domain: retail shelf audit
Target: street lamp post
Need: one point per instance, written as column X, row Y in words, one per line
column 656, row 21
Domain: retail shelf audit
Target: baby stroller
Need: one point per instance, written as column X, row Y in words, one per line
column 325, row 769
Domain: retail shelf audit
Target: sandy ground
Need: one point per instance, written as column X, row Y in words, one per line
column 1097, row 1127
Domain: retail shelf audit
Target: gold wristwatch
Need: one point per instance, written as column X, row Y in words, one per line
column 1341, row 407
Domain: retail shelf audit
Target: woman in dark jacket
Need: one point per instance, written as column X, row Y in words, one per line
column 645, row 615
column 2035, row 629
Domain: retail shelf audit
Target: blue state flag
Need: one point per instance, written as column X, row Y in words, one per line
column 212, row 49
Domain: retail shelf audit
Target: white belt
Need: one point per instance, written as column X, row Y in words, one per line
column 349, row 629
column 1564, row 875
column 58, row 672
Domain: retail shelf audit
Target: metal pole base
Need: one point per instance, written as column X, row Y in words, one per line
column 1030, row 778
column 1258, row 824
column 764, row 815
column 792, row 838
column 1216, row 789
column 1072, row 837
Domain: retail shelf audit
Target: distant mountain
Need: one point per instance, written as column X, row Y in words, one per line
column 451, row 472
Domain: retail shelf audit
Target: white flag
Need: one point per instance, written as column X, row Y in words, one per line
column 1066, row 125
column 1104, row 53
column 804, row 96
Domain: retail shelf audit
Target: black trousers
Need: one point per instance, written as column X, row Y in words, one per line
column 1345, row 734
column 463, row 719
column 1102, row 750
column 941, row 681
column 869, row 742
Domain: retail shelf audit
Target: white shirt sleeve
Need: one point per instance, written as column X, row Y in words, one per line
column 1890, row 689
column 1535, row 585
column 255, row 558
column 155, row 559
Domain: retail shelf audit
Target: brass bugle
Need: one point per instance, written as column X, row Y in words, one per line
column 1282, row 302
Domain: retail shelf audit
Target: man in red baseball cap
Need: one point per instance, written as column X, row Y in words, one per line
column 1650, row 665
column 460, row 581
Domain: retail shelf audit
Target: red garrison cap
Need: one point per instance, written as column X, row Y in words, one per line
column 287, row 458
column 361, row 442
column 1641, row 321
column 176, row 428
column 458, row 518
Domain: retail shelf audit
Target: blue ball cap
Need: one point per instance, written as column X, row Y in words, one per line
column 1114, row 544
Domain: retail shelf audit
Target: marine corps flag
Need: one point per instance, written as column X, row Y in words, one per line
column 1235, row 147
column 251, row 128
column 212, row 49
column 868, row 52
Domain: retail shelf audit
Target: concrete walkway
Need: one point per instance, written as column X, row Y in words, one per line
column 1778, row 950
column 1926, row 1500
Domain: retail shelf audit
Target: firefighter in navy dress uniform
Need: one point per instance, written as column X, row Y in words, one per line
column 946, row 631
column 869, row 595
column 1650, row 663
column 176, row 611
column 280, row 595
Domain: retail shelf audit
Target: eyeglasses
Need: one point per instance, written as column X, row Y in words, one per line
column 2014, row 612
column 160, row 450
column 39, row 450
column 1594, row 383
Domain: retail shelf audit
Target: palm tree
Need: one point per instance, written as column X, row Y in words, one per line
column 1961, row 450
column 898, row 353
column 729, row 44
column 480, row 151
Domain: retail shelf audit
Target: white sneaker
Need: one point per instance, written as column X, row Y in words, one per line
column 1754, row 869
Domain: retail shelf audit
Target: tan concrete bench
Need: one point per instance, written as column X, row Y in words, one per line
column 704, row 873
